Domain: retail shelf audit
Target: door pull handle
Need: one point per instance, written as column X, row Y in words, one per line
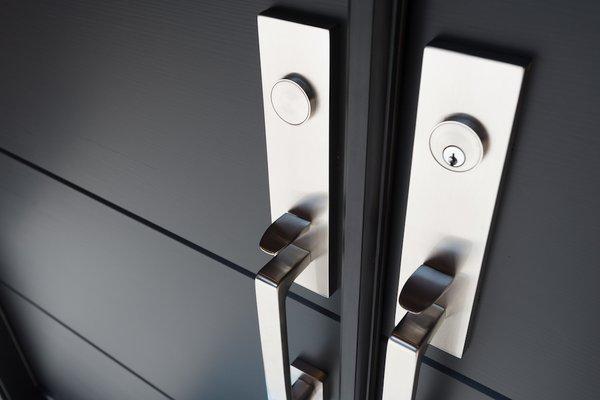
column 272, row 283
column 295, row 64
column 465, row 115
column 410, row 338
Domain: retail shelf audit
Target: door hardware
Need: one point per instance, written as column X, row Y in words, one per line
column 424, row 287
column 454, row 156
column 273, row 281
column 410, row 338
column 295, row 74
column 457, row 143
column 465, row 116
column 293, row 99
column 295, row 62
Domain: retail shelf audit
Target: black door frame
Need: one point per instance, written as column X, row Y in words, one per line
column 374, row 63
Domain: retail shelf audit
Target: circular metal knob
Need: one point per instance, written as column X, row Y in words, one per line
column 456, row 143
column 293, row 99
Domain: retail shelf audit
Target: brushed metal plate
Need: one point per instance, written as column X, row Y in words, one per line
column 298, row 155
column 449, row 213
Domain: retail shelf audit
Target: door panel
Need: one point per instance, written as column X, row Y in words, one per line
column 177, row 318
column 64, row 362
column 16, row 379
column 155, row 106
column 434, row 385
column 532, row 336
column 50, row 344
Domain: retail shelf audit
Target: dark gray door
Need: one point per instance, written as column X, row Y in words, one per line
column 134, row 192
column 534, row 335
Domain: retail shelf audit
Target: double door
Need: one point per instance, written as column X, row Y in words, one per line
column 137, row 180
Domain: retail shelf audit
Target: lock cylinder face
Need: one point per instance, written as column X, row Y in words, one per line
column 457, row 143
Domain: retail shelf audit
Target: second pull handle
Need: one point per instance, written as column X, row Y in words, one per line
column 405, row 349
column 272, row 283
column 410, row 338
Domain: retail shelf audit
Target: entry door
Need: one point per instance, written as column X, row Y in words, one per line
column 135, row 190
column 134, row 193
column 530, row 335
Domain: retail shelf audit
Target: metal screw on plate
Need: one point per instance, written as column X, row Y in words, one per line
column 454, row 156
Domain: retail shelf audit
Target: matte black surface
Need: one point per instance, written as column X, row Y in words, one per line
column 535, row 333
column 50, row 345
column 178, row 319
column 16, row 380
column 153, row 105
column 373, row 62
column 433, row 385
column 67, row 366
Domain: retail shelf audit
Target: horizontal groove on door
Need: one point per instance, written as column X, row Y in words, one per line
column 431, row 363
column 221, row 260
column 13, row 291
column 83, row 338
column 163, row 231
column 464, row 379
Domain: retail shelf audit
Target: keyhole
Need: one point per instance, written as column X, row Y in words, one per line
column 454, row 156
column 453, row 160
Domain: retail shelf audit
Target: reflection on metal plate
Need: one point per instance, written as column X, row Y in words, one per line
column 449, row 214
column 295, row 63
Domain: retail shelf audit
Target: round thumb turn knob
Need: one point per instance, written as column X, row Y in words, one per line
column 292, row 99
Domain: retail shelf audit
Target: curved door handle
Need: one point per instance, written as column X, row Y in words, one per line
column 273, row 282
column 410, row 338
column 463, row 129
column 295, row 75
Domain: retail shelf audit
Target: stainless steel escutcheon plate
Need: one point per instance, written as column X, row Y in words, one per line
column 465, row 117
column 295, row 61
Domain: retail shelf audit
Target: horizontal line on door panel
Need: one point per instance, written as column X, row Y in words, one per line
column 163, row 231
column 472, row 383
column 80, row 336
column 465, row 379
